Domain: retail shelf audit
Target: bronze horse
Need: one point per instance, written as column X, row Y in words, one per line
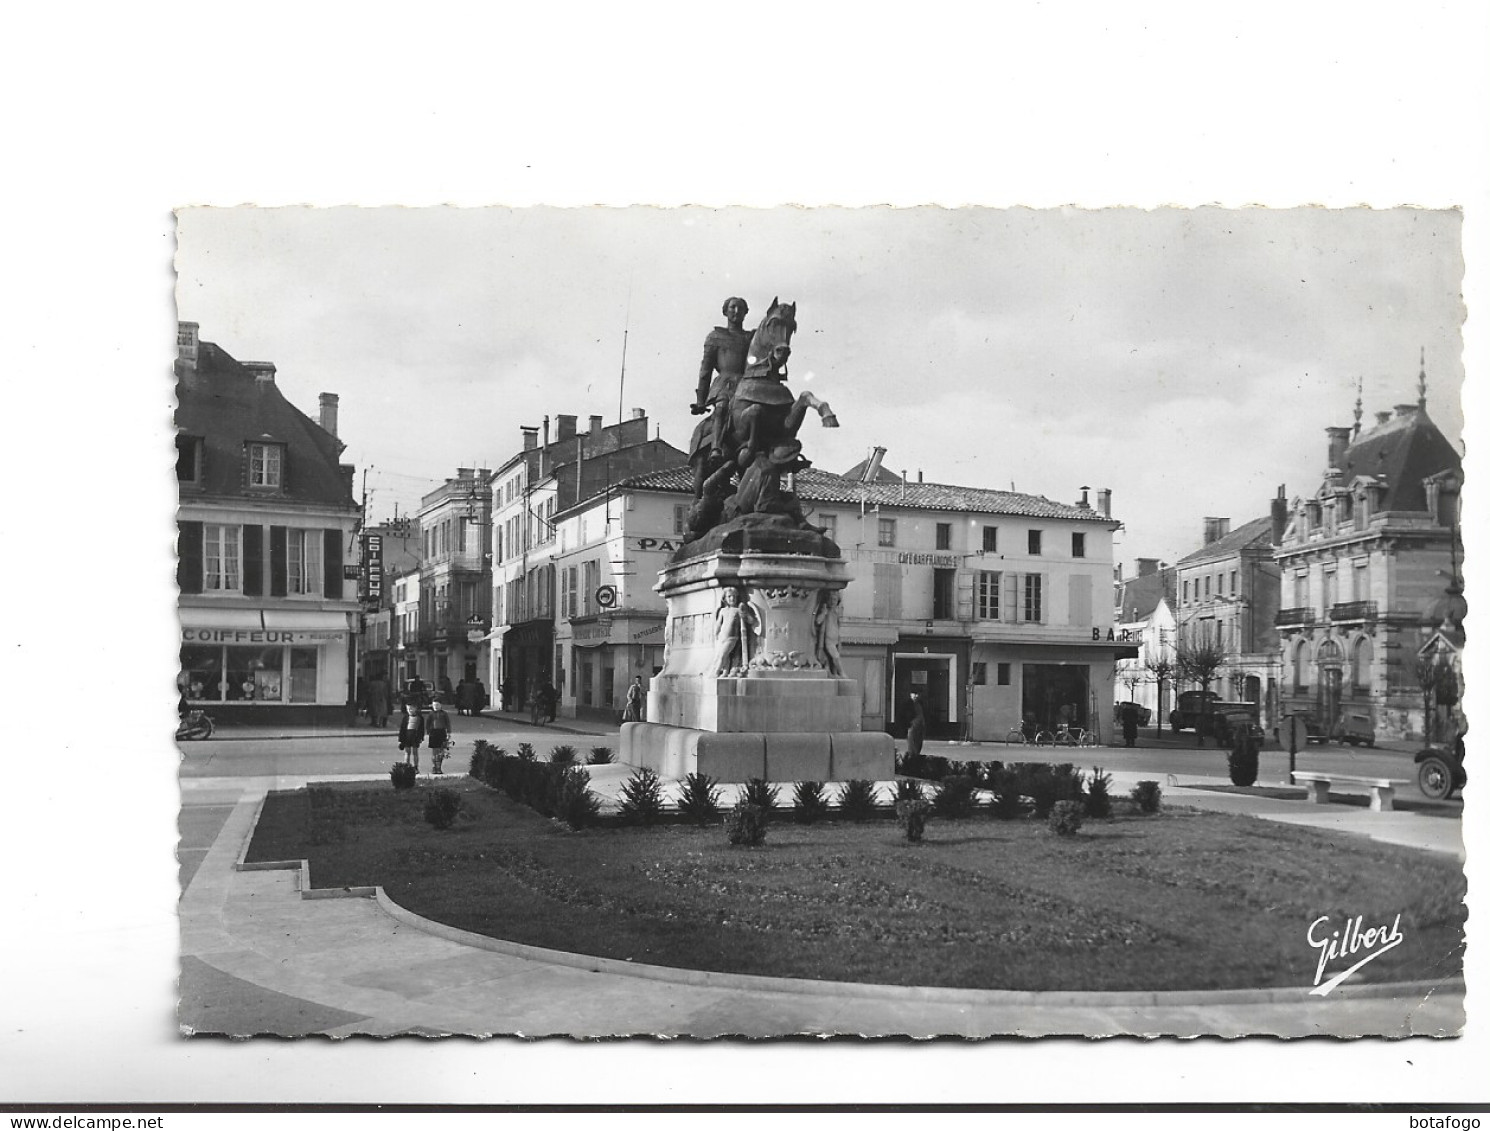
column 761, row 412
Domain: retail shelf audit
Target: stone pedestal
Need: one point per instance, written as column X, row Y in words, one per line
column 747, row 692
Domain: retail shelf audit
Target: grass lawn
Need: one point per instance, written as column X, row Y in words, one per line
column 1181, row 900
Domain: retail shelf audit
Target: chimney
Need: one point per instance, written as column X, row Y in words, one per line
column 872, row 468
column 530, row 437
column 465, row 473
column 1279, row 515
column 1406, row 409
column 329, row 402
column 263, row 371
column 1082, row 502
column 595, row 425
column 1215, row 529
column 903, row 480
column 1339, row 439
column 1383, row 416
column 186, row 345
column 920, row 476
column 566, row 426
column 1147, row 566
column 1104, row 501
column 545, row 431
column 638, row 414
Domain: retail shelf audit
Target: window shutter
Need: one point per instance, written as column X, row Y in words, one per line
column 189, row 557
column 1080, row 611
column 1009, row 594
column 333, row 565
column 278, row 561
column 965, row 594
column 253, row 561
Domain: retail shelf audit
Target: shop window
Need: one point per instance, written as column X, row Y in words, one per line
column 988, row 595
column 265, row 465
column 1078, row 545
column 942, row 592
column 1034, row 542
column 887, row 532
column 1004, row 674
column 990, row 539
column 944, row 536
column 980, row 674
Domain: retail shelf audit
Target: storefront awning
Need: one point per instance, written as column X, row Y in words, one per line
column 222, row 618
column 311, row 620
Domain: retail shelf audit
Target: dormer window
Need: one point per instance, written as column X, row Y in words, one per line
column 266, row 465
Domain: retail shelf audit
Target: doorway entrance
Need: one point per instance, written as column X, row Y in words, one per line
column 1050, row 687
column 930, row 677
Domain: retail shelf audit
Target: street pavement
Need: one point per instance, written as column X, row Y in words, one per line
column 258, row 957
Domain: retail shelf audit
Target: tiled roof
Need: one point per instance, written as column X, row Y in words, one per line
column 227, row 406
column 1401, row 453
column 815, row 486
column 1258, row 532
column 1140, row 596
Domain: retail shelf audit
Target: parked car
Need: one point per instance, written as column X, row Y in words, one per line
column 1190, row 708
column 1144, row 714
column 1355, row 728
column 1314, row 730
column 1229, row 717
column 1441, row 770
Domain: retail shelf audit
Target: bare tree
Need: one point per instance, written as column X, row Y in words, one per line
column 1440, row 687
column 1199, row 659
column 1161, row 669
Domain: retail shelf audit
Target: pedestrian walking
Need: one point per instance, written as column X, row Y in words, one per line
column 379, row 701
column 411, row 734
column 437, row 727
column 463, row 697
column 479, row 698
column 1129, row 716
column 550, row 698
column 509, row 695
column 915, row 734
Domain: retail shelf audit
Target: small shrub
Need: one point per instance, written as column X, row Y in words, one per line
column 1146, row 795
column 857, row 800
column 641, row 798
column 700, row 800
column 1099, row 795
column 402, row 775
column 441, row 807
column 577, row 805
column 525, row 751
column 1065, row 818
column 1241, row 763
column 1008, row 800
column 955, row 799
column 481, row 755
column 600, row 756
column 562, row 756
column 908, row 789
column 912, row 814
column 808, row 802
column 760, row 792
column 746, row 824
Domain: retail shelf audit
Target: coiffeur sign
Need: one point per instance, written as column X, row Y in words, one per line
column 256, row 636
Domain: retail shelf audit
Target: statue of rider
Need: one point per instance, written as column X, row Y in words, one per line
column 726, row 350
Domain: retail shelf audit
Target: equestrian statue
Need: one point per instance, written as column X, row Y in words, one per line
column 748, row 442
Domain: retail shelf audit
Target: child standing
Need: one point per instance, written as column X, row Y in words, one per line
column 438, row 727
column 411, row 734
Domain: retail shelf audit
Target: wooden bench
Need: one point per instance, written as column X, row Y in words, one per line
column 1382, row 789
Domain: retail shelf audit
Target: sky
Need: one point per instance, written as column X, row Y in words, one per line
column 1188, row 359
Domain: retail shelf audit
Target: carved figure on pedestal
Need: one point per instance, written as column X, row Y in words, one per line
column 826, row 621
column 733, row 625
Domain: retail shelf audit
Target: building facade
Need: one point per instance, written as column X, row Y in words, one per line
column 455, row 572
column 266, row 525
column 991, row 605
column 1144, row 615
column 1363, row 561
column 1228, row 596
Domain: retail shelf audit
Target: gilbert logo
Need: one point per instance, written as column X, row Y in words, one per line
column 1347, row 942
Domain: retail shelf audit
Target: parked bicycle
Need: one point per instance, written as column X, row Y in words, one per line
column 1072, row 735
column 195, row 724
column 1034, row 736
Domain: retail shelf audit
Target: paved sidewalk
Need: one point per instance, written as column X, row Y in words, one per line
column 258, row 958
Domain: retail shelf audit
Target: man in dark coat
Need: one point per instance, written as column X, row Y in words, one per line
column 1129, row 716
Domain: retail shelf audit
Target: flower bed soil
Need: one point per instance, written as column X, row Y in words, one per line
column 1178, row 901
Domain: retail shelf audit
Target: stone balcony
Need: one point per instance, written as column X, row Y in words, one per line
column 1294, row 618
column 1353, row 612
